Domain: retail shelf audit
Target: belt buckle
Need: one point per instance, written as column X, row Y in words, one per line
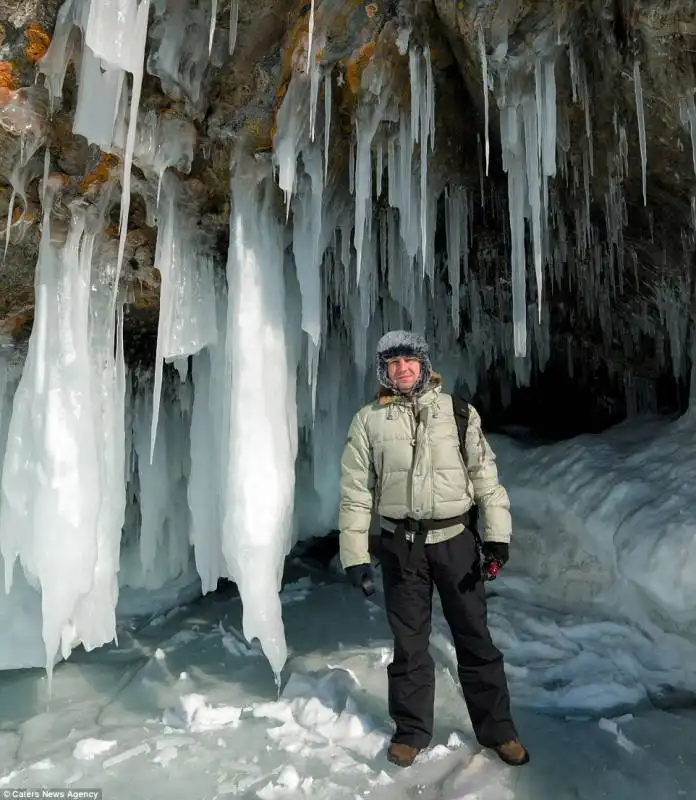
column 410, row 537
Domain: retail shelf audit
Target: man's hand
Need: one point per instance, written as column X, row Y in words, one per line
column 361, row 577
column 495, row 557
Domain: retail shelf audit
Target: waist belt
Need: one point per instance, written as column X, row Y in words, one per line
column 409, row 536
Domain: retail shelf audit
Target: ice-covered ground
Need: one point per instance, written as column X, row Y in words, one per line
column 183, row 708
column 595, row 614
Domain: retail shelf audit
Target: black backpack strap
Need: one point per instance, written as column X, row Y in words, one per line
column 461, row 417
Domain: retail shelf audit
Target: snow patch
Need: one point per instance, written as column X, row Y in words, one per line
column 194, row 714
column 316, row 712
column 87, row 749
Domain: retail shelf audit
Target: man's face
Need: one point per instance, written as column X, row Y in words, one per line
column 404, row 372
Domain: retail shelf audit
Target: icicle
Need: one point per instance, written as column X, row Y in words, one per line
column 363, row 190
column 306, row 244
column 213, row 20
column 641, row 126
column 427, row 126
column 46, row 172
column 453, row 230
column 480, row 166
column 136, row 64
column 365, row 131
column 310, row 36
column 379, row 169
column 484, row 70
column 416, row 88
column 8, row 223
column 327, row 120
column 54, row 64
column 314, row 80
column 511, row 134
column 531, row 139
column 234, row 20
column 292, row 121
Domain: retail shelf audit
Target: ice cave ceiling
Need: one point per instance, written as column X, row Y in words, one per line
column 589, row 124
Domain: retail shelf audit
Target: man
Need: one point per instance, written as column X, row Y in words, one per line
column 403, row 460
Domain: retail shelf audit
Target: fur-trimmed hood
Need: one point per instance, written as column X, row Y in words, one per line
column 406, row 344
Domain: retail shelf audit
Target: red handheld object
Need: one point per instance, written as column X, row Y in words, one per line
column 492, row 568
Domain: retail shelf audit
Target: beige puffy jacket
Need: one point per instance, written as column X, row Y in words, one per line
column 403, row 459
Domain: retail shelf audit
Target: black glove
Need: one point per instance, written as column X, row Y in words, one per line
column 495, row 556
column 361, row 577
column 496, row 551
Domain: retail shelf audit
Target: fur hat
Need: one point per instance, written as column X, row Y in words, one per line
column 409, row 345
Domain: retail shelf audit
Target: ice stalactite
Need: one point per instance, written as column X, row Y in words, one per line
column 234, row 21
column 161, row 550
column 23, row 171
column 164, row 141
column 262, row 446
column 209, row 451
column 457, row 206
column 54, row 64
column 187, row 296
column 310, row 36
column 117, row 34
column 179, row 51
column 244, row 419
column 327, row 121
column 114, row 38
column 640, row 114
column 528, row 139
column 213, row 19
column 484, row 73
column 62, row 484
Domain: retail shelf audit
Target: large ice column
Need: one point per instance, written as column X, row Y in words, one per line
column 209, row 437
column 187, row 297
column 94, row 620
column 61, row 502
column 21, row 645
column 262, row 415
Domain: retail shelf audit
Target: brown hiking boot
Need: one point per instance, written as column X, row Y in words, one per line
column 403, row 755
column 512, row 752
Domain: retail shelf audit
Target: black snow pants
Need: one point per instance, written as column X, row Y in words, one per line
column 453, row 567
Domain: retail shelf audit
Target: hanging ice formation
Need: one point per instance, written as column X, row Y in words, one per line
column 62, row 485
column 187, row 295
column 225, row 465
column 528, row 139
column 484, row 72
column 114, row 35
column 640, row 113
column 234, row 19
column 248, row 383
